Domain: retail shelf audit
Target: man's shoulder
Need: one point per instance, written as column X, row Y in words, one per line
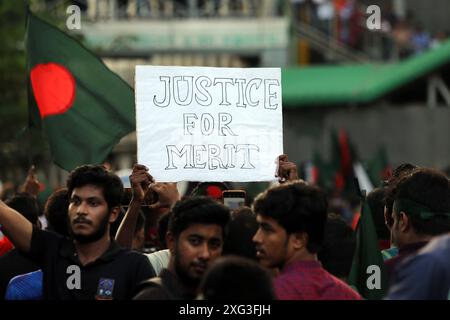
column 319, row 284
column 339, row 290
column 136, row 262
column 434, row 256
column 159, row 260
column 290, row 286
column 159, row 255
column 47, row 235
column 133, row 258
column 152, row 289
column 283, row 278
column 49, row 241
column 437, row 249
column 131, row 254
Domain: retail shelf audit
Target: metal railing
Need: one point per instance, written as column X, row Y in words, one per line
column 166, row 9
column 331, row 48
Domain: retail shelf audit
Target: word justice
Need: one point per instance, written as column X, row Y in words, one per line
column 187, row 90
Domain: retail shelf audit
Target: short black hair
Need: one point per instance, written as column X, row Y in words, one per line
column 397, row 173
column 26, row 205
column 97, row 175
column 402, row 169
column 55, row 211
column 375, row 200
column 297, row 207
column 203, row 210
column 336, row 253
column 241, row 230
column 425, row 188
column 237, row 278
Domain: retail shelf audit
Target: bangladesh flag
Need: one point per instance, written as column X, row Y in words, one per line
column 83, row 107
column 367, row 274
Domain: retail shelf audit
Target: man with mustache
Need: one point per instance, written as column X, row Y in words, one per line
column 195, row 239
column 291, row 220
column 90, row 265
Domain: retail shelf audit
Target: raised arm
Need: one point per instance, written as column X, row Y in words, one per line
column 140, row 181
column 16, row 227
column 287, row 171
column 167, row 195
column 31, row 184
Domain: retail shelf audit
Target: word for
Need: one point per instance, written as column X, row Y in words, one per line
column 207, row 124
column 211, row 155
column 185, row 90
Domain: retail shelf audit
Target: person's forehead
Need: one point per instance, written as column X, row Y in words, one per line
column 261, row 219
column 203, row 230
column 88, row 191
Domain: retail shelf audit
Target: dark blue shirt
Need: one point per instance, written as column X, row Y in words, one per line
column 425, row 276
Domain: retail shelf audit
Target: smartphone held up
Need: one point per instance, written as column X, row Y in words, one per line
column 234, row 199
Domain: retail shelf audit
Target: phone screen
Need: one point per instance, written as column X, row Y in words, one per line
column 234, row 203
column 234, row 199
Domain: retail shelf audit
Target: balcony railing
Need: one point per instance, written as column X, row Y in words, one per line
column 167, row 9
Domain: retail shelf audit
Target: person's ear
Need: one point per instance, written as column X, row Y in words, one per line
column 299, row 240
column 170, row 241
column 114, row 214
column 386, row 218
column 404, row 222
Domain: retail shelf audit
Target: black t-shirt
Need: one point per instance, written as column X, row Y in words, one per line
column 114, row 275
column 165, row 287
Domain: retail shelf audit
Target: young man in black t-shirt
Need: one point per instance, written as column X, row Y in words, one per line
column 90, row 265
column 195, row 240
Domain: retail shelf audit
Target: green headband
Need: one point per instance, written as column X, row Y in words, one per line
column 414, row 208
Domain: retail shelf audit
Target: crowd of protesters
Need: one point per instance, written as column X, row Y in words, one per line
column 290, row 244
column 345, row 22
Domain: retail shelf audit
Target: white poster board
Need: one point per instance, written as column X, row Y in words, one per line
column 209, row 124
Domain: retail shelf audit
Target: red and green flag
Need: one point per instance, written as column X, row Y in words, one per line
column 322, row 172
column 367, row 273
column 342, row 158
column 83, row 107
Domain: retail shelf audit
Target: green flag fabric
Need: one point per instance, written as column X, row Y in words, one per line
column 378, row 168
column 343, row 156
column 83, row 107
column 367, row 274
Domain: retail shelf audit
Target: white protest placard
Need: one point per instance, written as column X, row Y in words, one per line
column 209, row 124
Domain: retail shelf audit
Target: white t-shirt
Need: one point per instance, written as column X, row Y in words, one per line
column 159, row 260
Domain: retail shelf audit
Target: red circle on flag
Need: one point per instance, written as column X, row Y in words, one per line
column 214, row 192
column 53, row 88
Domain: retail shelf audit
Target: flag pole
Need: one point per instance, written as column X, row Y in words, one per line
column 28, row 135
